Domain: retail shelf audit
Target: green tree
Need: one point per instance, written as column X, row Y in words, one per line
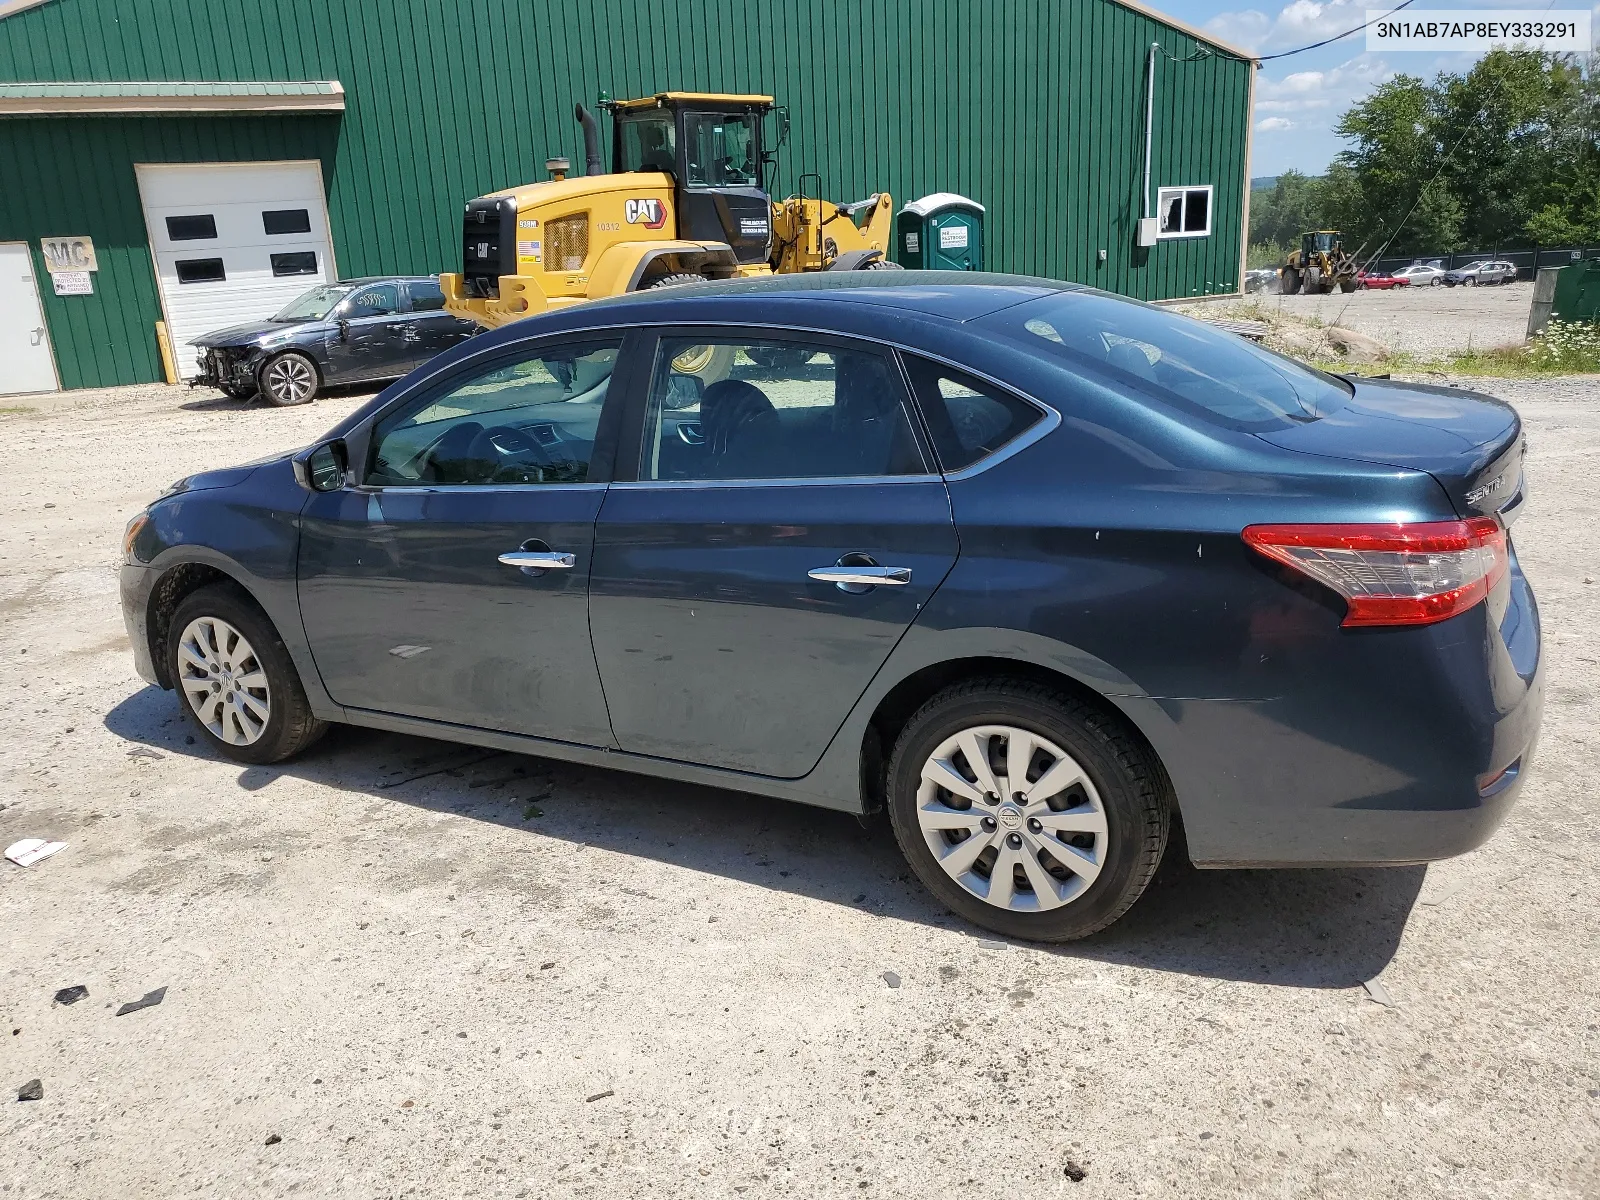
column 1506, row 154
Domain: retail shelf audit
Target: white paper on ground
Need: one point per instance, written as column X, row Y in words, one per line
column 30, row 850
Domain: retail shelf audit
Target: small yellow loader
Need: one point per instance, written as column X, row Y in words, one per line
column 1319, row 265
column 684, row 201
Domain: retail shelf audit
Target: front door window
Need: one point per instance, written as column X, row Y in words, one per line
column 526, row 421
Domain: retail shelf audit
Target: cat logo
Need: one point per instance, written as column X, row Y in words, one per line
column 650, row 213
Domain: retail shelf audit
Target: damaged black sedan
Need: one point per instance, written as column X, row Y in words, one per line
column 353, row 331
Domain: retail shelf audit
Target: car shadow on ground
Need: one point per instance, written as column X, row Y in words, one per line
column 1330, row 928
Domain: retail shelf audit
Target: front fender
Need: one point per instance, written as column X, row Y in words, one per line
column 249, row 533
column 623, row 266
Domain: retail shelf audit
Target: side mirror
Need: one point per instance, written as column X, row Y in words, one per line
column 783, row 124
column 322, row 468
column 344, row 331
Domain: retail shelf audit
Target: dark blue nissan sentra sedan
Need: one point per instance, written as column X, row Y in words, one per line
column 1036, row 568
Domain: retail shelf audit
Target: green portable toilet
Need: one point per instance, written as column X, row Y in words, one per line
column 941, row 232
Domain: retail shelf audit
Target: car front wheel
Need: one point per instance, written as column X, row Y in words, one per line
column 289, row 378
column 238, row 683
column 1027, row 811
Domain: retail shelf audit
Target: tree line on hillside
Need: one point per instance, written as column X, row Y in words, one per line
column 1504, row 156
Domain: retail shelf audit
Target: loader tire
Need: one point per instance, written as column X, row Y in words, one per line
column 1347, row 285
column 1289, row 281
column 676, row 280
column 882, row 264
column 710, row 363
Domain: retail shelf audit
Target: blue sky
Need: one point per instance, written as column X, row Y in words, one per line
column 1299, row 99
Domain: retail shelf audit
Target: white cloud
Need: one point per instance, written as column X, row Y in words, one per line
column 1274, row 125
column 1336, row 88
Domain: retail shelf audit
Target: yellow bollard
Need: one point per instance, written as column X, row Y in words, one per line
column 167, row 364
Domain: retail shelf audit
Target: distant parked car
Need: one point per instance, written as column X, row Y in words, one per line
column 353, row 331
column 1492, row 271
column 1381, row 280
column 1421, row 274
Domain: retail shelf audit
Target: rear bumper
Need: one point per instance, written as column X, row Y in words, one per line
column 1401, row 746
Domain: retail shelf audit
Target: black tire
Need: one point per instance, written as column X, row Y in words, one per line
column 290, row 726
column 1131, row 785
column 1347, row 285
column 882, row 264
column 779, row 358
column 677, row 280
column 1289, row 281
column 288, row 379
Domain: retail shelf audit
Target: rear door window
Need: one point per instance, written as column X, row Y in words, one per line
column 737, row 408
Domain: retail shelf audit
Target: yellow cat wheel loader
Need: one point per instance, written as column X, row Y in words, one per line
column 684, row 200
column 1319, row 265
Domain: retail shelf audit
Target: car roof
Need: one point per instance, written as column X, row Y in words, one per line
column 952, row 295
column 361, row 279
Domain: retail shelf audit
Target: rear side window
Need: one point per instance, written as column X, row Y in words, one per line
column 425, row 296
column 968, row 418
column 1183, row 361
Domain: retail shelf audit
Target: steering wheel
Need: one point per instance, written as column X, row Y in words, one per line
column 507, row 446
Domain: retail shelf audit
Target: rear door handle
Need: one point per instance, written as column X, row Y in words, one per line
column 862, row 576
column 539, row 560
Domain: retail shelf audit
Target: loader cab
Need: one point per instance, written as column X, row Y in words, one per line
column 711, row 145
column 1323, row 241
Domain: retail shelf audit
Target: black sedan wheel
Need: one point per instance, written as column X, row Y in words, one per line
column 289, row 378
column 238, row 683
column 1025, row 810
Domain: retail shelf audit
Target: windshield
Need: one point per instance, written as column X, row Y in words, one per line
column 1213, row 374
column 721, row 149
column 647, row 141
column 315, row 304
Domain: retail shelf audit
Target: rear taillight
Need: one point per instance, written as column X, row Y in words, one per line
column 1394, row 574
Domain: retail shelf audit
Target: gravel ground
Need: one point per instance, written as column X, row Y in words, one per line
column 402, row 968
column 1427, row 322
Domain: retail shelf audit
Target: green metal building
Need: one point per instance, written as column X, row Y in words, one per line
column 360, row 128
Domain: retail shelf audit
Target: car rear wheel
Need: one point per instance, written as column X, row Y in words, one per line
column 289, row 378
column 237, row 681
column 1025, row 810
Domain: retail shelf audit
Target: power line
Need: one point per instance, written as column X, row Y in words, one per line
column 1339, row 37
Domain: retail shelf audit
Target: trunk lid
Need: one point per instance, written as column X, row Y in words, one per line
column 1471, row 443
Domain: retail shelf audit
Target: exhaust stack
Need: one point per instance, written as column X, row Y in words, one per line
column 591, row 141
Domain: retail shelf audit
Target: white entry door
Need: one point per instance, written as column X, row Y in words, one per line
column 233, row 243
column 25, row 361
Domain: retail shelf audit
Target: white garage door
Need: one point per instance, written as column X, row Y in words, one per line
column 233, row 242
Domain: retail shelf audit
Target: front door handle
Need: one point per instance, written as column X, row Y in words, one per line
column 539, row 560
column 862, row 576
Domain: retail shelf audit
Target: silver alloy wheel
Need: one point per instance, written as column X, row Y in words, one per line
column 290, row 379
column 1012, row 818
column 224, row 681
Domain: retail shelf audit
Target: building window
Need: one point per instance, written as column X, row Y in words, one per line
column 286, row 220
column 1184, row 212
column 200, row 270
column 192, row 229
column 302, row 263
